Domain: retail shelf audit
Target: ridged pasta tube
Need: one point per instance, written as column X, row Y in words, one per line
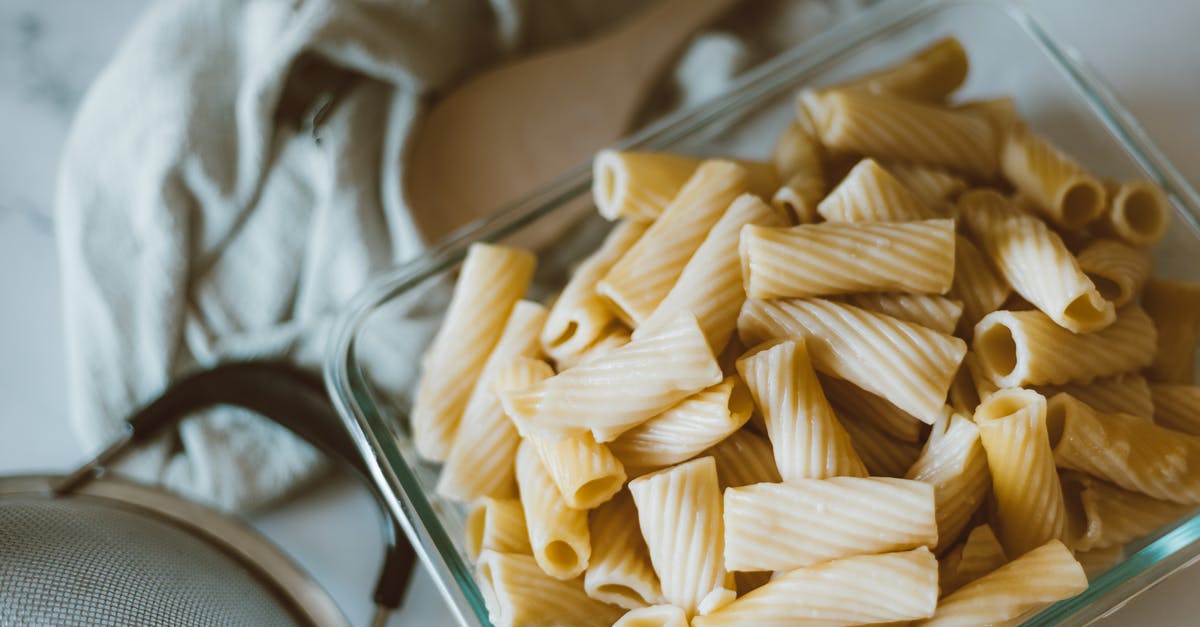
column 619, row 571
column 1028, row 498
column 1032, row 581
column 977, row 556
column 850, row 591
column 642, row 277
column 1017, row 348
column 869, row 193
column 1137, row 212
column 519, row 594
column 936, row 312
column 832, row 258
column 780, row 526
column 480, row 462
column 1035, row 262
column 585, row 471
column 883, row 455
column 806, row 436
column 744, row 458
column 955, row 464
column 1119, row 271
column 797, row 158
column 850, row 400
column 679, row 512
column 976, row 284
column 637, row 185
column 1175, row 308
column 908, row 364
column 931, row 74
column 558, row 534
column 492, row 280
column 1108, row 515
column 622, row 389
column 935, row 187
column 1125, row 393
column 1061, row 190
column 653, row 616
column 889, row 128
column 1176, row 406
column 1125, row 450
column 1001, row 112
column 497, row 525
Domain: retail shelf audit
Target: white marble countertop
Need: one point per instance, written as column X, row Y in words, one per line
column 49, row 51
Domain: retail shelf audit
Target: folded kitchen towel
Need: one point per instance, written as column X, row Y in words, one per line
column 212, row 208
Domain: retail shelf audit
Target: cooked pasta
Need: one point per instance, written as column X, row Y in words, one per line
column 806, row 437
column 1029, row 506
column 854, row 402
column 936, row 312
column 679, row 512
column 653, row 616
column 519, row 594
column 908, row 364
column 1108, row 515
column 1027, row 348
column 1137, row 212
column 619, row 571
column 687, row 429
column 932, row 74
column 1176, row 406
column 850, row 591
column 883, row 455
column 1001, row 112
column 1061, row 190
column 1175, row 308
column 977, row 556
column 976, row 284
column 641, row 278
column 585, row 471
column 558, row 534
column 984, row 387
column 797, row 157
column 1119, row 271
column 800, row 522
column 869, row 193
column 935, row 187
column 637, row 185
column 621, row 389
column 1034, row 261
column 497, row 525
column 955, row 464
column 615, row 337
column 717, row 599
column 797, row 198
column 744, row 458
column 1125, row 393
column 1032, row 581
column 491, row 281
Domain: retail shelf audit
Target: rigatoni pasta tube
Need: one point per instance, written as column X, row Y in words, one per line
column 955, row 464
column 1137, row 212
column 1175, row 308
column 977, row 556
column 1118, row 270
column 1125, row 393
column 480, row 462
column 1035, row 262
column 1176, row 406
column 849, row 399
column 832, row 258
column 519, row 594
column 653, row 616
column 1034, row 580
column 1000, row 112
column 710, row 286
column 558, row 534
column 869, row 193
column 637, row 185
column 497, row 525
column 908, row 364
column 931, row 74
column 679, row 512
column 1018, row 348
column 797, row 157
column 1060, row 188
column 642, row 277
column 806, row 436
column 1028, row 497
column 619, row 571
column 850, row 591
column 585, row 471
column 1125, row 450
column 1109, row 515
column 622, row 389
column 744, row 458
column 492, row 279
column 976, row 284
column 935, row 187
column 780, row 526
column 936, row 312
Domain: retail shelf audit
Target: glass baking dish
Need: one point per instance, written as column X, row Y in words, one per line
column 372, row 367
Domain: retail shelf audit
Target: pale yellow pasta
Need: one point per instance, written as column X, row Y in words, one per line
column 936, row 312
column 687, row 429
column 797, row 157
column 1035, row 262
column 834, row 258
column 1119, row 271
column 935, row 187
column 744, row 458
column 653, row 616
column 642, row 277
column 1125, row 393
column 579, row 316
column 480, row 462
column 889, row 128
column 1027, row 348
column 623, row 388
column 869, row 193
column 710, row 286
column 1061, row 190
column 908, row 364
column 977, row 556
column 615, row 337
column 1000, row 112
column 850, row 591
column 519, row 594
column 984, row 387
column 806, row 437
column 497, row 525
column 717, row 599
column 585, row 471
column 1177, row 406
column 1032, row 581
column 1105, row 515
column 1125, row 450
column 1175, row 308
column 932, row 73
column 679, row 513
column 619, row 571
column 637, row 185
column 963, row 398
column 883, row 455
column 492, row 279
column 781, row 526
column 850, row 400
column 955, row 464
column 976, row 284
column 797, row 198
column 1137, row 212
column 558, row 534
column 1028, row 499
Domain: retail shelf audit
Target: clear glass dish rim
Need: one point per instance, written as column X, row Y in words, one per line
column 1172, row 551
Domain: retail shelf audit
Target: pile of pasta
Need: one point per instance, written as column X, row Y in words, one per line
column 913, row 369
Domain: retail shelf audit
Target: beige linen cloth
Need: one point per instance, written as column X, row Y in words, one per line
column 203, row 217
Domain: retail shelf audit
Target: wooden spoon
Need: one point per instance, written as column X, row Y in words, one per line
column 506, row 132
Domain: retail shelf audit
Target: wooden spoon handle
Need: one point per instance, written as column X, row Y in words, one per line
column 647, row 42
